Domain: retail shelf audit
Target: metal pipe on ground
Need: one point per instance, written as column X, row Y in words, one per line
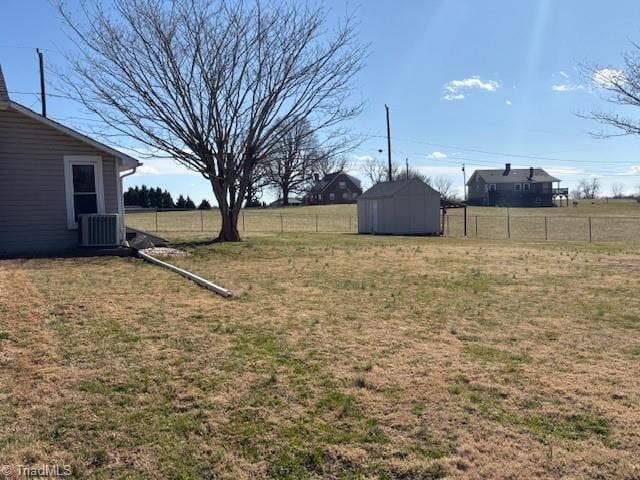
column 195, row 278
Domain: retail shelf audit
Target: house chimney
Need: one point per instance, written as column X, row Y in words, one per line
column 530, row 173
column 507, row 169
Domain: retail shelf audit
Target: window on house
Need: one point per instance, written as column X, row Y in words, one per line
column 525, row 187
column 83, row 184
column 345, row 195
column 342, row 185
column 545, row 187
column 517, row 187
column 354, row 195
column 492, row 187
column 332, row 196
column 85, row 197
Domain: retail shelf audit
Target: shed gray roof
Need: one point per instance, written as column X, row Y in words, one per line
column 4, row 92
column 389, row 189
column 516, row 175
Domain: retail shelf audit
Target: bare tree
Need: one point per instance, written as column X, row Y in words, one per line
column 209, row 82
column 622, row 87
column 445, row 187
column 377, row 171
column 299, row 154
column 589, row 188
column 617, row 190
column 257, row 183
column 290, row 166
column 406, row 174
column 333, row 160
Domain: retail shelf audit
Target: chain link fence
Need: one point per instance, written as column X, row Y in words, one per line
column 572, row 228
column 252, row 221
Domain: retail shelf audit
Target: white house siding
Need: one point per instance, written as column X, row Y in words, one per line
column 33, row 215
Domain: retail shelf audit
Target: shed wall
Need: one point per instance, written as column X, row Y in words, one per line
column 412, row 211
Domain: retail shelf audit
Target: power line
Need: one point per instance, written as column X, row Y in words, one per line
column 496, row 153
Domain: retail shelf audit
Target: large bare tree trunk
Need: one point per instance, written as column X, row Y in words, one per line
column 229, row 228
column 228, row 216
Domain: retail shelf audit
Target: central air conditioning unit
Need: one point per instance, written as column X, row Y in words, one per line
column 98, row 230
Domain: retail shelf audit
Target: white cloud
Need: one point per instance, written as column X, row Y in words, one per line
column 508, row 103
column 607, row 77
column 566, row 87
column 437, row 155
column 565, row 84
column 455, row 88
column 563, row 171
column 163, row 166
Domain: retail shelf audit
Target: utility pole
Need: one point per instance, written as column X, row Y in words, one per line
column 43, row 97
column 389, row 143
column 464, row 184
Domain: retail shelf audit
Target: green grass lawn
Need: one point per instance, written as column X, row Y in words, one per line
column 340, row 356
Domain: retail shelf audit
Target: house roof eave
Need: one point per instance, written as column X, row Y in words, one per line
column 126, row 162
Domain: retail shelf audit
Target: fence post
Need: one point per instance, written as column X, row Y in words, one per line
column 243, row 222
column 546, row 232
column 281, row 224
column 316, row 223
column 476, row 226
column 465, row 221
column 201, row 220
column 508, row 226
column 349, row 223
column 156, row 219
column 448, row 229
column 589, row 229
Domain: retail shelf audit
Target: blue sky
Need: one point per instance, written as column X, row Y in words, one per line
column 473, row 81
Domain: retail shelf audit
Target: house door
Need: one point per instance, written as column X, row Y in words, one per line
column 374, row 216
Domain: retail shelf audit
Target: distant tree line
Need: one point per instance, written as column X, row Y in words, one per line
column 146, row 197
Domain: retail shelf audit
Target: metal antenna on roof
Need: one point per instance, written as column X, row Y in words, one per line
column 388, row 143
column 43, row 96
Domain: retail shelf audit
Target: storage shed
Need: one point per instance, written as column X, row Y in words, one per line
column 403, row 207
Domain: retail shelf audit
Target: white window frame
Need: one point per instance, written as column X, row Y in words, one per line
column 69, row 161
column 332, row 196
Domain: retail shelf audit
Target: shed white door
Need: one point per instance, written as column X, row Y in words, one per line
column 374, row 216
